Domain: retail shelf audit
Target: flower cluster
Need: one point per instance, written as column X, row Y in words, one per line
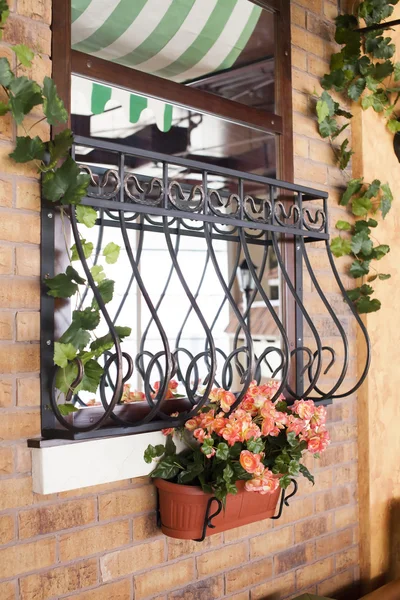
column 261, row 440
column 136, row 396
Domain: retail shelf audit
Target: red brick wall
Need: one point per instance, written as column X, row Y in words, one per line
column 101, row 543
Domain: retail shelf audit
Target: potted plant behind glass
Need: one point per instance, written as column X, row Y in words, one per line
column 240, row 460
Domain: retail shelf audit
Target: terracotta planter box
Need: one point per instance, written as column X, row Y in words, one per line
column 183, row 509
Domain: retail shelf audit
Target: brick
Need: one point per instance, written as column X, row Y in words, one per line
column 15, row 492
column 294, row 557
column 332, row 499
column 15, row 227
column 207, row 589
column 273, row 541
column 6, row 461
column 248, row 575
column 28, row 391
column 59, row 581
column 6, row 326
column 334, row 543
column 178, row 548
column 346, row 474
column 6, row 122
column 34, row 35
column 28, row 326
column 347, row 558
column 95, row 489
column 247, row 530
column 23, row 458
column 19, row 358
column 7, row 529
column 19, row 293
column 309, row 575
column 27, row 261
column 126, row 502
column 6, row 393
column 298, row 15
column 56, row 517
column 278, row 585
column 28, row 195
column 166, row 578
column 332, row 456
column 15, row 560
column 41, row 67
column 145, row 527
column 313, row 5
column 310, row 171
column 299, row 59
column 221, row 559
column 346, row 516
column 7, row 590
column 298, row 509
column 112, row 591
column 334, row 585
column 93, row 540
column 133, row 559
column 320, row 28
column 301, row 146
column 39, row 10
column 6, row 260
column 9, row 167
column 313, row 528
column 6, row 192
column 241, row 596
column 19, row 424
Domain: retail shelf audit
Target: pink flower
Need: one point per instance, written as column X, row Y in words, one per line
column 199, row 434
column 318, row 442
column 192, row 424
column 231, row 433
column 219, row 423
column 264, row 483
column 249, row 461
column 170, row 430
column 268, row 427
column 223, row 397
column 296, row 425
column 172, row 385
column 319, row 417
column 304, row 408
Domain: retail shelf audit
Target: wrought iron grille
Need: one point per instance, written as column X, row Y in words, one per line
column 188, row 204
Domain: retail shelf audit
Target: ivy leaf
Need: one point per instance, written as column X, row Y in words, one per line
column 106, row 289
column 363, row 65
column 87, row 318
column 343, row 113
column 167, row 468
column 377, row 100
column 366, row 305
column 86, row 215
column 355, row 89
column 66, row 377
column 373, row 189
column 24, row 54
column 322, row 110
column 335, row 79
column 361, row 243
column 28, row 149
column 353, row 187
column 343, row 226
column 61, row 286
column 91, row 378
column 380, row 47
column 111, row 253
column 382, row 70
column 359, row 268
column 65, row 184
column 380, row 251
column 255, row 445
column 354, row 294
column 344, row 155
column 67, row 409
column 361, row 206
column 106, row 342
column 396, row 71
column 153, row 452
column 383, row 276
column 75, row 335
column 59, row 146
column 98, row 274
column 74, row 275
column 222, row 451
column 6, row 75
column 87, row 248
column 386, row 200
column 306, row 473
column 339, row 131
column 25, row 94
column 366, row 290
column 53, row 106
column 4, row 108
column 63, row 353
column 328, row 127
column 393, row 125
column 340, row 246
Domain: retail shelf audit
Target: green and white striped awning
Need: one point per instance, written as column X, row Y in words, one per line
column 176, row 39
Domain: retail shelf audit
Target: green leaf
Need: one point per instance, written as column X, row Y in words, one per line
column 377, row 100
column 66, row 377
column 75, row 335
column 111, row 253
column 91, row 378
column 170, row 448
column 353, row 187
column 228, row 473
column 167, row 468
column 65, row 184
column 373, row 189
column 292, row 439
column 340, row 246
column 359, row 268
column 61, row 286
column 24, row 54
column 255, row 445
column 397, row 71
column 366, row 290
column 284, row 482
column 106, row 289
column 354, row 294
column 306, row 473
column 380, row 47
column 6, row 75
column 106, row 342
column 53, row 106
column 4, row 108
column 366, row 305
column 386, row 200
column 372, row 223
column 59, row 146
column 337, row 61
column 87, row 318
column 189, row 474
column 381, row 251
column 360, row 242
column 355, row 90
column 343, row 225
column 383, row 277
column 98, row 274
column 222, row 451
column 344, row 155
column 393, row 125
column 328, row 127
column 28, row 149
column 67, row 409
column 361, row 206
column 86, row 215
column 74, row 275
column 87, row 248
column 339, row 131
column 336, row 80
column 63, row 353
column 152, row 452
column 382, row 70
column 322, row 110
column 25, row 94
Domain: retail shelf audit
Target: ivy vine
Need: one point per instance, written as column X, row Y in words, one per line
column 62, row 184
column 364, row 72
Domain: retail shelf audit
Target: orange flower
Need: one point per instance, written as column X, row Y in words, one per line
column 304, row 408
column 192, row 424
column 170, row 430
column 231, row 432
column 172, row 385
column 318, row 442
column 222, row 397
column 264, row 482
column 249, row 461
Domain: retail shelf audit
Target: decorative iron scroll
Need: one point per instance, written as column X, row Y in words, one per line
column 182, row 204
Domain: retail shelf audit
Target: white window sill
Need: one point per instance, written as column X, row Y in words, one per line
column 74, row 465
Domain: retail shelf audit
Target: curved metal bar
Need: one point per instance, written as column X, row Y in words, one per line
column 304, row 313
column 142, row 198
column 335, row 320
column 239, row 366
column 359, row 321
column 95, row 181
column 275, row 317
column 179, row 370
column 180, row 201
column 208, row 518
column 263, row 357
column 265, row 207
column 285, row 501
column 313, row 220
column 293, row 209
column 200, row 317
column 232, row 198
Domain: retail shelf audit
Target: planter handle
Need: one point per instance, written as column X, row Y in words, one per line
column 285, row 501
column 208, row 518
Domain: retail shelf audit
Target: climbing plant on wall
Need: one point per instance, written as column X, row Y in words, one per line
column 362, row 72
column 64, row 184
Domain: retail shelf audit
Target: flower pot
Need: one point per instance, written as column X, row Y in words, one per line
column 183, row 509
